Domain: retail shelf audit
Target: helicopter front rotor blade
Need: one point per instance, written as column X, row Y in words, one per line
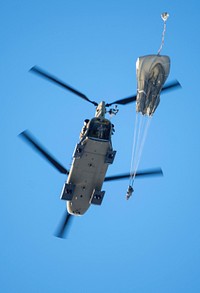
column 123, row 101
column 144, row 173
column 39, row 148
column 169, row 86
column 37, row 70
column 64, row 225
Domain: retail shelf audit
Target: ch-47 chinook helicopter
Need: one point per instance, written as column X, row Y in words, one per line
column 92, row 155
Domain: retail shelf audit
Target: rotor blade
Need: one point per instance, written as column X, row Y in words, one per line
column 169, row 86
column 123, row 101
column 57, row 81
column 37, row 146
column 64, row 225
column 144, row 173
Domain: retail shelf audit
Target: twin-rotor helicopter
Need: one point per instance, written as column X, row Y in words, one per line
column 92, row 155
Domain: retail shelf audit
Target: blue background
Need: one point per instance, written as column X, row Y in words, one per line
column 147, row 244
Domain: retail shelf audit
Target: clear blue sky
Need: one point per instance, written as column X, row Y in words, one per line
column 148, row 244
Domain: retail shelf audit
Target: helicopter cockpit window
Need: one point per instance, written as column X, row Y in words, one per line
column 99, row 129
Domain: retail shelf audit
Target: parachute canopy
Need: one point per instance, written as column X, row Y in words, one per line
column 152, row 72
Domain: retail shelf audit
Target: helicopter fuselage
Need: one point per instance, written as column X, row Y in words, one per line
column 91, row 158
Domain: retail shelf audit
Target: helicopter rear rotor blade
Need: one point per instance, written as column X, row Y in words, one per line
column 65, row 223
column 169, row 86
column 37, row 70
column 26, row 135
column 144, row 173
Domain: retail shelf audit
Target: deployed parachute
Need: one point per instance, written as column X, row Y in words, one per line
column 152, row 72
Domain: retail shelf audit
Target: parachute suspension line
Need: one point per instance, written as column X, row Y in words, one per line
column 164, row 17
column 134, row 144
column 134, row 148
column 138, row 144
column 140, row 133
column 147, row 120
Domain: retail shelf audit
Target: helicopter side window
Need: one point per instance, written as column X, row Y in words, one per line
column 99, row 129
